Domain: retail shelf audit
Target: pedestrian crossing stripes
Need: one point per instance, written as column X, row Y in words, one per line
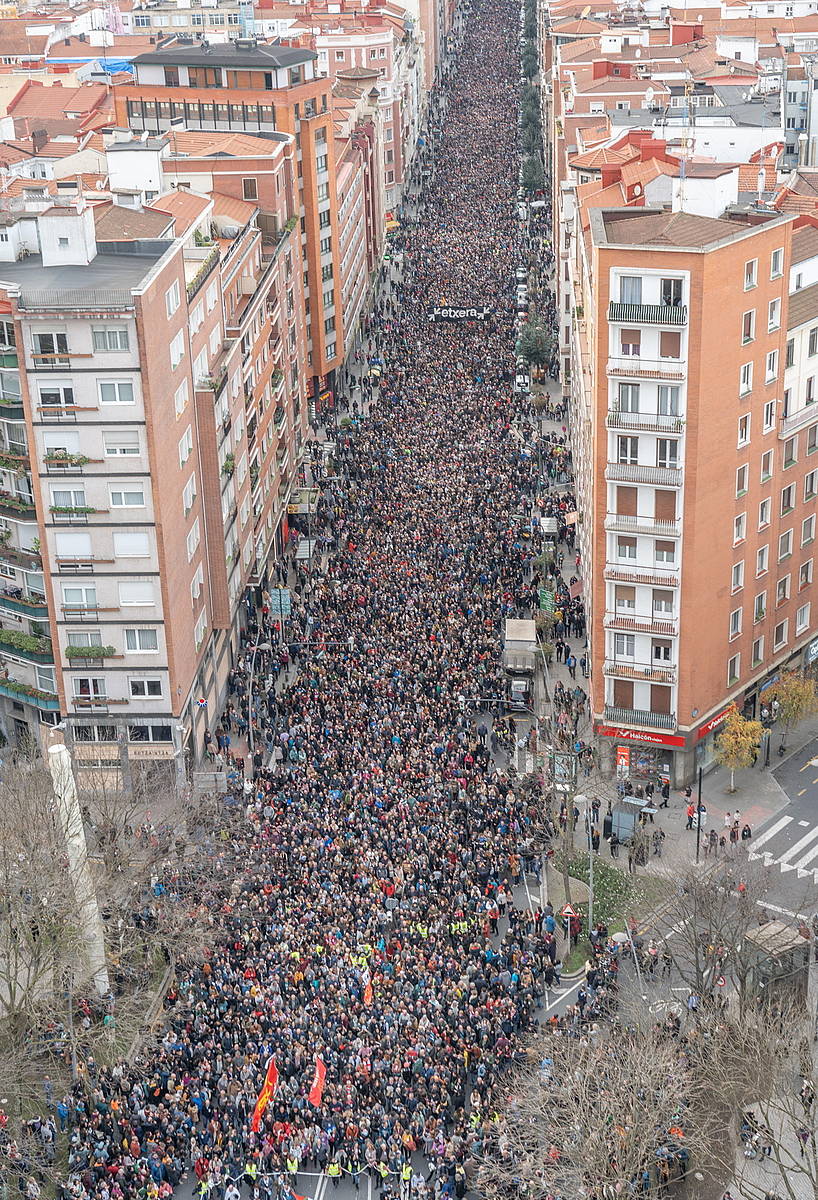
column 775, row 848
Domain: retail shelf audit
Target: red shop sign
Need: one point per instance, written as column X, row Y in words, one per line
column 640, row 736
column 713, row 723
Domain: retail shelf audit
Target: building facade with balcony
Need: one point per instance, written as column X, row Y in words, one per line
column 698, row 514
column 273, row 89
column 157, row 410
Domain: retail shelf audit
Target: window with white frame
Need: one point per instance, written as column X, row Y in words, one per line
column 758, row 650
column 120, row 443
column 744, row 430
column 785, row 545
column 805, row 574
column 733, row 669
column 742, row 479
column 172, row 298
column 745, row 379
column 189, row 494
column 192, row 540
column 84, row 637
column 136, row 593
column 145, row 689
column 750, row 274
column 177, row 350
column 760, row 607
column 56, row 394
column 771, row 366
column 130, row 495
column 735, row 623
column 739, row 528
column 199, row 629
column 777, row 263
column 808, row 530
column 180, row 398
column 737, row 579
column 782, row 590
column 79, row 595
column 197, row 583
column 185, row 445
column 769, row 416
column 116, row 391
column 110, row 338
column 773, row 315
column 780, row 634
column 196, row 318
column 141, row 641
column 132, row 543
column 762, row 560
column 624, row 645
column 802, row 618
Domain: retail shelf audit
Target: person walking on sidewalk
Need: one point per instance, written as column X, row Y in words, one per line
column 691, row 812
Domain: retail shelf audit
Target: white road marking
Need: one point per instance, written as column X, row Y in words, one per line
column 780, row 824
column 785, row 859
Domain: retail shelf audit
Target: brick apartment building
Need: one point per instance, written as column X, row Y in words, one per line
column 250, row 87
column 696, row 479
column 152, row 419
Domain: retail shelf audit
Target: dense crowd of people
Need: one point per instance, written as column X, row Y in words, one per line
column 365, row 911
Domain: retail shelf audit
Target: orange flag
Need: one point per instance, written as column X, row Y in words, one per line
column 368, row 995
column 268, row 1090
column 317, row 1089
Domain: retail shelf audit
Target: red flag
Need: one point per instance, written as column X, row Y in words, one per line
column 268, row 1090
column 368, row 995
column 317, row 1089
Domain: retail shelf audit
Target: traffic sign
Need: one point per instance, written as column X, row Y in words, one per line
column 568, row 911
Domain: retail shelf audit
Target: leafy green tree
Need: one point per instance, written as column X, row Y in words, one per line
column 533, row 174
column 530, row 61
column 536, row 343
column 532, row 140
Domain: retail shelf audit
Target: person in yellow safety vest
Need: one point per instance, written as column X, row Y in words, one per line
column 251, row 1171
column 292, row 1164
column 334, row 1172
column 204, row 1187
column 406, row 1173
column 383, row 1171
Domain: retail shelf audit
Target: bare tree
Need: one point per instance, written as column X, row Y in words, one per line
column 589, row 1115
column 159, row 874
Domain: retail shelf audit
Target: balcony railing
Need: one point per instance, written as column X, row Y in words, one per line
column 639, row 716
column 26, row 694
column 798, row 420
column 634, row 473
column 635, row 367
column 660, row 626
column 16, row 508
column 640, row 575
column 643, row 422
column 616, row 523
column 647, row 314
column 630, row 670
column 33, row 606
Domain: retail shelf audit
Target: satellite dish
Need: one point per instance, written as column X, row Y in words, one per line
column 638, row 53
column 745, row 96
column 637, row 189
column 650, row 95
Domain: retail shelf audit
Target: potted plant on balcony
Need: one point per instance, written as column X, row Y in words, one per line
column 63, row 458
column 229, row 464
column 92, row 653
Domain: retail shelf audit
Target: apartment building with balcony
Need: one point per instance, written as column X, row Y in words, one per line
column 696, row 492
column 151, row 422
column 247, row 86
